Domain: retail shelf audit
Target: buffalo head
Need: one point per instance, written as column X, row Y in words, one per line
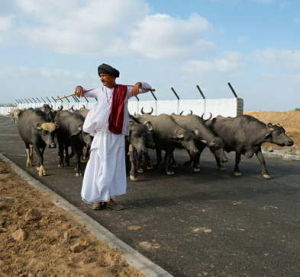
column 276, row 134
column 46, row 131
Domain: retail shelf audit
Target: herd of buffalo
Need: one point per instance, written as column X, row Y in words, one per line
column 42, row 127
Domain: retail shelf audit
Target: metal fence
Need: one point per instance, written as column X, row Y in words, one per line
column 226, row 107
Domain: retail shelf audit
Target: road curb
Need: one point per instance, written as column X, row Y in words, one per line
column 133, row 257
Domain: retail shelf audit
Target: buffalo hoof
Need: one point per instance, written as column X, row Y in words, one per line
column 140, row 170
column 149, row 167
column 169, row 173
column 133, row 178
column 41, row 170
column 237, row 173
column 196, row 169
column 266, row 176
column 222, row 168
column 78, row 174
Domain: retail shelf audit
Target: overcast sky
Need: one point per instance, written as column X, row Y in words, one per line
column 48, row 47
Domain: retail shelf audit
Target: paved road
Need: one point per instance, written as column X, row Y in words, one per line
column 197, row 224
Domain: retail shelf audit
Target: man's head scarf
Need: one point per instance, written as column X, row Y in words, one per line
column 107, row 69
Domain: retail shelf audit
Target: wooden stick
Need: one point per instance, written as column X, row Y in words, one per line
column 66, row 96
column 74, row 94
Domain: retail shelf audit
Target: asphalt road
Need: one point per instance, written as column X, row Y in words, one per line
column 196, row 224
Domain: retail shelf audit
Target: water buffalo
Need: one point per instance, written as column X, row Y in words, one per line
column 37, row 133
column 140, row 138
column 203, row 137
column 168, row 135
column 245, row 134
column 70, row 134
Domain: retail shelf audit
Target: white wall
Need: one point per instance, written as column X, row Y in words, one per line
column 225, row 107
column 6, row 110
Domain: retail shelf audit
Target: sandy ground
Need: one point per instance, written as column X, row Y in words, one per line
column 39, row 239
column 290, row 120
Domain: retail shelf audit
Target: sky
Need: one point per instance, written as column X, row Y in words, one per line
column 49, row 47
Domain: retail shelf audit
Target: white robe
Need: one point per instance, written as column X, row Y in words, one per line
column 105, row 173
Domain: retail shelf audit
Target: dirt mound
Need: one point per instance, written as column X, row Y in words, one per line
column 290, row 120
column 39, row 239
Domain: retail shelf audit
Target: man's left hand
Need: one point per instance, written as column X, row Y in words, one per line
column 136, row 88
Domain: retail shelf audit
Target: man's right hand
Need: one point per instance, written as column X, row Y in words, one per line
column 79, row 91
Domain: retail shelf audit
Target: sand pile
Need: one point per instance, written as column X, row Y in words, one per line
column 39, row 239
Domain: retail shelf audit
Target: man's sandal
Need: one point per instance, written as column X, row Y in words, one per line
column 97, row 205
column 114, row 206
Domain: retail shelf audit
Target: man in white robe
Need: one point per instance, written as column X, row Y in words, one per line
column 105, row 173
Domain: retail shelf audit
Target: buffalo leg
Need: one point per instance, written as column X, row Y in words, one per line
column 158, row 156
column 261, row 159
column 147, row 161
column 28, row 160
column 78, row 167
column 195, row 162
column 168, row 162
column 86, row 153
column 60, row 154
column 236, row 171
column 40, row 156
column 76, row 148
column 133, row 163
column 141, row 166
column 66, row 155
column 172, row 160
column 198, row 155
column 31, row 154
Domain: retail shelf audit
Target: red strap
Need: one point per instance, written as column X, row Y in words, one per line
column 116, row 116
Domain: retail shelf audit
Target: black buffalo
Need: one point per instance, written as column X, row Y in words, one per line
column 139, row 140
column 70, row 134
column 245, row 134
column 37, row 133
column 168, row 135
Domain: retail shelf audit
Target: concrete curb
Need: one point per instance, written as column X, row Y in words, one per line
column 133, row 257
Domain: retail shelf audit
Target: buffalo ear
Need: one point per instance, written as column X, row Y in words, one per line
column 149, row 125
column 270, row 127
column 38, row 126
